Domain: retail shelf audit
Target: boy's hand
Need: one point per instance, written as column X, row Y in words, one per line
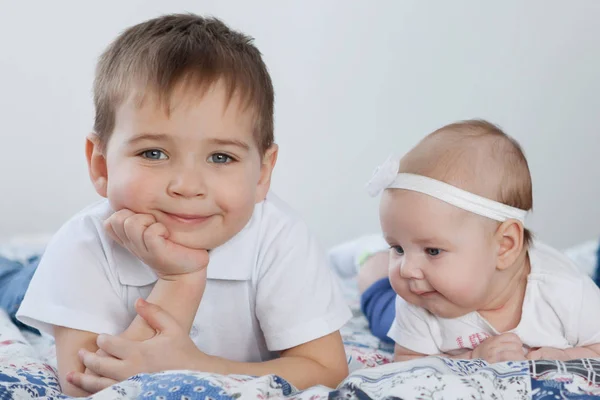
column 128, row 357
column 149, row 241
column 505, row 347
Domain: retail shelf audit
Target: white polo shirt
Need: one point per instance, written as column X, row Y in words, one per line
column 269, row 288
column 561, row 309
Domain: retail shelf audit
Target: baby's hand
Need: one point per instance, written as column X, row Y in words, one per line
column 505, row 347
column 548, row 353
column 149, row 241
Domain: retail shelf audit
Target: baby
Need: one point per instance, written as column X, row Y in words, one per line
column 471, row 280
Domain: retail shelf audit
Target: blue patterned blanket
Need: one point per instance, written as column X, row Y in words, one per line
column 27, row 370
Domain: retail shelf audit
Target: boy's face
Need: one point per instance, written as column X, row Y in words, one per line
column 442, row 258
column 197, row 170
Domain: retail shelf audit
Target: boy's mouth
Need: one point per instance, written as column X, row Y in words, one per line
column 189, row 219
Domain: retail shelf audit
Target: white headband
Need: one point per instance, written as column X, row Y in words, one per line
column 386, row 176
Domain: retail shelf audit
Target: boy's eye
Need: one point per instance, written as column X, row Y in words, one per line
column 220, row 158
column 154, row 155
column 433, row 252
column 398, row 249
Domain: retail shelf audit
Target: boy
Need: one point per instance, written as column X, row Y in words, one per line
column 183, row 152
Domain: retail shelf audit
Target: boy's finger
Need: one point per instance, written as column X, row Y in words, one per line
column 117, row 222
column 134, row 227
column 156, row 317
column 187, row 258
column 105, row 367
column 155, row 237
column 111, row 233
column 89, row 383
column 114, row 346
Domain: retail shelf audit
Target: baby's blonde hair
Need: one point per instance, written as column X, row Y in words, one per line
column 459, row 153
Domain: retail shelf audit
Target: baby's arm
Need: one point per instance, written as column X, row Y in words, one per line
column 592, row 351
column 581, row 322
column 404, row 354
column 504, row 347
column 549, row 353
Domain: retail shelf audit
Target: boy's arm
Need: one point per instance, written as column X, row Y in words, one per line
column 319, row 362
column 68, row 343
column 181, row 270
column 180, row 296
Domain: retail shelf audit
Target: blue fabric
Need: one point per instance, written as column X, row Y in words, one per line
column 378, row 305
column 14, row 281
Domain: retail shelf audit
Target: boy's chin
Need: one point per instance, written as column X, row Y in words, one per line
column 196, row 241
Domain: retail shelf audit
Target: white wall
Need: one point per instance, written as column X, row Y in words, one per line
column 354, row 80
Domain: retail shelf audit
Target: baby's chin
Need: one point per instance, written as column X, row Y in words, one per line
column 448, row 310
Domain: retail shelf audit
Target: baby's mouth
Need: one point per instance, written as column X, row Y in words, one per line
column 424, row 293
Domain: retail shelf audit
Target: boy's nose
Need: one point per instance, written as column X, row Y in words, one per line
column 187, row 184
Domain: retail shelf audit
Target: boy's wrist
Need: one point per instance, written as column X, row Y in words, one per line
column 195, row 277
column 207, row 363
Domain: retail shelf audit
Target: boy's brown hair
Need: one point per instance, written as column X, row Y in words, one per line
column 155, row 56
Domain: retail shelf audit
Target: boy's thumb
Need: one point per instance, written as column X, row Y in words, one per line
column 155, row 316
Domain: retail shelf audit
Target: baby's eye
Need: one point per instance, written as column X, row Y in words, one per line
column 433, row 252
column 154, row 154
column 398, row 249
column 220, row 158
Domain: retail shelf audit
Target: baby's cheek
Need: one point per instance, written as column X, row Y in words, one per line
column 465, row 291
column 399, row 284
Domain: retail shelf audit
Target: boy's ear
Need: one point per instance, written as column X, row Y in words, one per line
column 510, row 239
column 266, row 171
column 96, row 164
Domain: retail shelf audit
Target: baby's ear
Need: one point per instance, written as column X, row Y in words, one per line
column 268, row 162
column 510, row 238
column 96, row 164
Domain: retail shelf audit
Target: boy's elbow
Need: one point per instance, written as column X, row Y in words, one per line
column 337, row 375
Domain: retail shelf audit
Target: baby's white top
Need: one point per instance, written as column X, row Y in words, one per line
column 560, row 310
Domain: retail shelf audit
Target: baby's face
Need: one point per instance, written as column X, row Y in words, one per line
column 442, row 258
column 197, row 170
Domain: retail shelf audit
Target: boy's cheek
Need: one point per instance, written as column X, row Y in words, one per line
column 134, row 192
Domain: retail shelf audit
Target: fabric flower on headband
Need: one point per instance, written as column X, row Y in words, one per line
column 383, row 176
